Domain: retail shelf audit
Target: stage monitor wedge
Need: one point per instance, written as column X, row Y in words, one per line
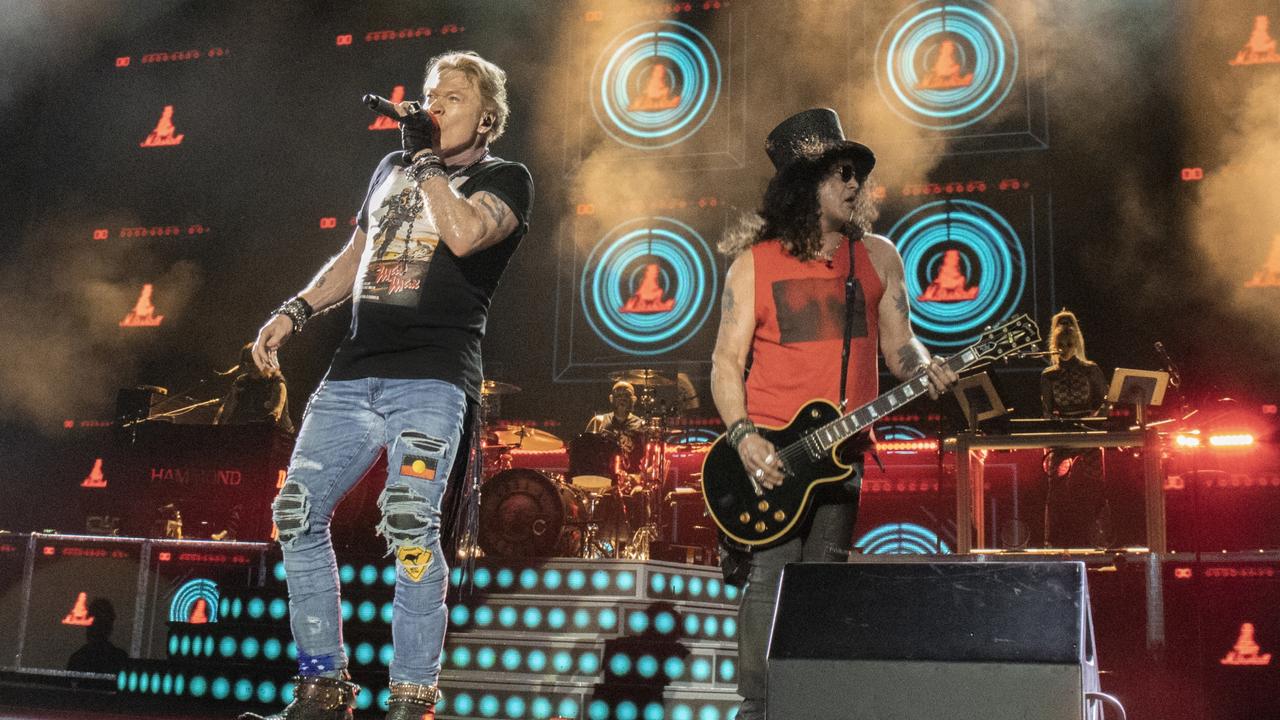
column 917, row 640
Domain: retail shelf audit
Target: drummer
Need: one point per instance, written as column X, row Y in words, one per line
column 622, row 426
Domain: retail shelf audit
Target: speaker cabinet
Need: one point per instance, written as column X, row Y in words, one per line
column 917, row 640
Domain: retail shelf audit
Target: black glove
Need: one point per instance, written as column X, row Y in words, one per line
column 417, row 133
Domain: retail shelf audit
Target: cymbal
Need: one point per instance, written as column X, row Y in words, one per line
column 494, row 387
column 651, row 378
column 526, row 438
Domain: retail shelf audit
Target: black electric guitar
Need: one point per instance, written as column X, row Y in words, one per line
column 757, row 517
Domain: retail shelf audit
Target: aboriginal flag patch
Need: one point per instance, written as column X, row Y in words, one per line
column 423, row 468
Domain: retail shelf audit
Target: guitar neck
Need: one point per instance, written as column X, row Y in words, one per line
column 846, row 426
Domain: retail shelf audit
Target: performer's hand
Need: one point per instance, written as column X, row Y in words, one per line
column 941, row 377
column 418, row 130
column 761, row 460
column 270, row 338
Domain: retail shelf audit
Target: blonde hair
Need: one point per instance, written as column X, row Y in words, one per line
column 1055, row 336
column 490, row 80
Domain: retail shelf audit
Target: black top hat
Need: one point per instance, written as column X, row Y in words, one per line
column 816, row 136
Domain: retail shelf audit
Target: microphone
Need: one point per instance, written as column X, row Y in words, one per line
column 385, row 107
column 1174, row 378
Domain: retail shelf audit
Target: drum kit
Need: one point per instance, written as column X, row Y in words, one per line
column 607, row 503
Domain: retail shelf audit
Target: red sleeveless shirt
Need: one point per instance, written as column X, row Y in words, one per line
column 800, row 315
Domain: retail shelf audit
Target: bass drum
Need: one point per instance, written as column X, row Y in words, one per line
column 525, row 513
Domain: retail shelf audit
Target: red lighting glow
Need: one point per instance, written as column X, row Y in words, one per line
column 1234, row 440
column 1246, row 651
column 95, row 478
column 143, row 313
column 165, row 556
column 1269, row 274
column 649, row 297
column 1182, row 573
column 946, row 71
column 79, row 614
column 950, row 285
column 1260, row 47
column 165, row 134
column 1191, row 174
column 382, row 122
column 328, row 223
column 907, row 446
column 123, row 61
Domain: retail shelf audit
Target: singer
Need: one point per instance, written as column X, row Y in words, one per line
column 810, row 294
column 440, row 221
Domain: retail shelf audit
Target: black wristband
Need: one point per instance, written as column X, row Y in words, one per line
column 298, row 311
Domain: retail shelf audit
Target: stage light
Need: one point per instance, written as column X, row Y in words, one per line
column 272, row 648
column 347, row 574
column 532, row 618
column 537, row 660
column 1233, row 440
column 507, row 617
column 551, row 579
column 556, row 618
column 658, row 582
column 368, row 575
column 505, row 577
column 387, row 612
column 249, row 647
column 278, row 609
column 266, row 692
column 486, row 657
column 511, row 659
column 463, row 704
column 700, row 669
column 528, row 578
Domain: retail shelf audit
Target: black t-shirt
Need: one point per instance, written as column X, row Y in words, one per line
column 419, row 310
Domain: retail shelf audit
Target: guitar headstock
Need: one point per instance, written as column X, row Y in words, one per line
column 1008, row 338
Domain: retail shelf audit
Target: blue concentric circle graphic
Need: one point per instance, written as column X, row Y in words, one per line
column 661, row 261
column 655, row 84
column 901, row 539
column 990, row 255
column 945, row 66
column 191, row 594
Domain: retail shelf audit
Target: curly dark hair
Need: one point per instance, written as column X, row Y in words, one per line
column 790, row 212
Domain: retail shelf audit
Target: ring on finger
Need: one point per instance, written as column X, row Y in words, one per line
column 759, row 472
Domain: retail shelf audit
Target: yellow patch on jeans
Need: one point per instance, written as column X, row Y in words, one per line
column 414, row 560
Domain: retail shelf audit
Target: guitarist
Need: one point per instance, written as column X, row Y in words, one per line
column 784, row 307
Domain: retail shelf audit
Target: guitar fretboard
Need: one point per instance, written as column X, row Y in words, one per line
column 840, row 429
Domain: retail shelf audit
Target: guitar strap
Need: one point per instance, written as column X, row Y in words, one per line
column 849, row 296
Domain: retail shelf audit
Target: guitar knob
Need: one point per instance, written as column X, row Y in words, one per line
column 760, row 526
column 780, row 516
column 744, row 518
column 763, row 506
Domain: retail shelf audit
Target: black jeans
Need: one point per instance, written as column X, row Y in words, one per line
column 827, row 537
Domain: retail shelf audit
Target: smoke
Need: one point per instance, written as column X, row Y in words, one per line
column 37, row 38
column 1236, row 220
column 64, row 299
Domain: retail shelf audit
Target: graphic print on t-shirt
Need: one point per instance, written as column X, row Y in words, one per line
column 810, row 309
column 402, row 242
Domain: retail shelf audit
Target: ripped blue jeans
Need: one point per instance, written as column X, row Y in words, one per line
column 346, row 425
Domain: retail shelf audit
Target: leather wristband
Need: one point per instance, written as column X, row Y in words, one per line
column 298, row 311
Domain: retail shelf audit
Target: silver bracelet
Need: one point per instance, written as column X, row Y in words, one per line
column 428, row 166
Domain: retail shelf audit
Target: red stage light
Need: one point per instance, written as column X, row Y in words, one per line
column 123, row 61
column 328, row 223
column 343, row 40
column 101, row 234
column 1190, row 174
column 1233, row 440
column 165, row 556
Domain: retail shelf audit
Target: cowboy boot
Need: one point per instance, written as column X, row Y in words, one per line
column 411, row 701
column 317, row 698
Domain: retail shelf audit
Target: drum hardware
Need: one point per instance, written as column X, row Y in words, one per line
column 523, row 437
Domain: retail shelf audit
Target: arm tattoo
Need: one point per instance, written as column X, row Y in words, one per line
column 495, row 208
column 909, row 360
column 728, row 303
column 324, row 278
column 900, row 302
